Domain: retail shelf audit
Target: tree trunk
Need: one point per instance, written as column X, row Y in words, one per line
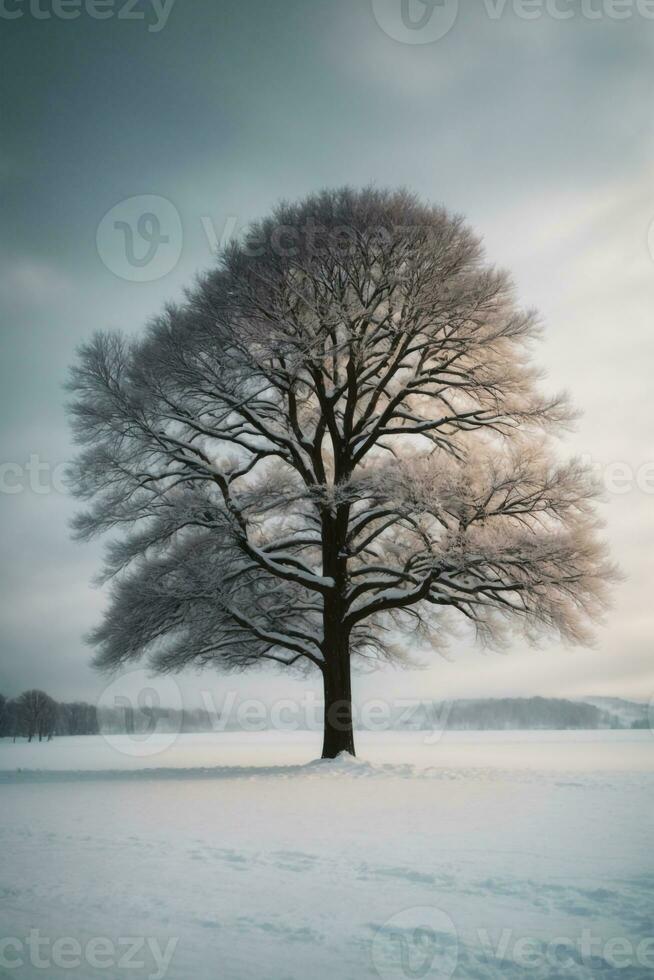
column 338, row 731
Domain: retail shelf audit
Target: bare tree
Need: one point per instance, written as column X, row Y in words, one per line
column 335, row 440
column 77, row 718
column 10, row 720
column 4, row 715
column 37, row 714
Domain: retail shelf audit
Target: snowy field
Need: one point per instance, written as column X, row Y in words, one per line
column 227, row 856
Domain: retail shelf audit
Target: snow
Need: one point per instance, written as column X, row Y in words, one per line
column 239, row 856
column 583, row 751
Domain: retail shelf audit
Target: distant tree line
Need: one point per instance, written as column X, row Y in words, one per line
column 142, row 719
column 537, row 713
column 528, row 713
column 34, row 714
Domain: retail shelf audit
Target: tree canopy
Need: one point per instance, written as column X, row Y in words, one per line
column 335, row 441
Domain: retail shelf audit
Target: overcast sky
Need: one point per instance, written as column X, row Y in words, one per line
column 539, row 130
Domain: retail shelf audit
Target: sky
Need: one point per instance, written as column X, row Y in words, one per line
column 533, row 120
